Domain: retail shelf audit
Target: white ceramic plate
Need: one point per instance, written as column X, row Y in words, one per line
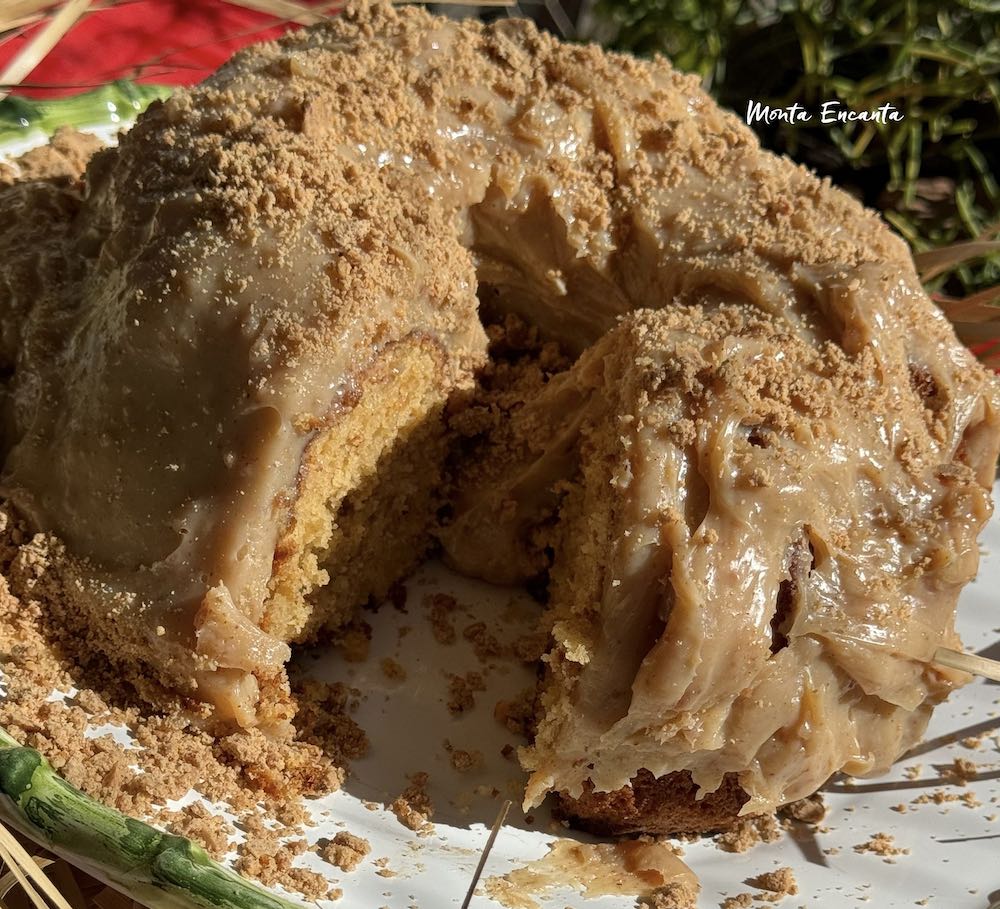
column 953, row 849
column 952, row 858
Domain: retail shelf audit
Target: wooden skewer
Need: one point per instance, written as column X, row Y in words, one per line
column 967, row 662
column 971, row 663
column 497, row 824
column 47, row 38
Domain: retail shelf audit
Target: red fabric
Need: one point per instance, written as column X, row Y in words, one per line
column 174, row 42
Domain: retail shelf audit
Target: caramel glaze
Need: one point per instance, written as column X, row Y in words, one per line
column 760, row 543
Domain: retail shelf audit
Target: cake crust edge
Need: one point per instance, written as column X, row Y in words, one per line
column 666, row 805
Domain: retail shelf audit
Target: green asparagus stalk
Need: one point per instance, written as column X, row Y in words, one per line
column 156, row 868
column 113, row 103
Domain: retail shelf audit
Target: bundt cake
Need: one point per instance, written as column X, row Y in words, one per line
column 227, row 363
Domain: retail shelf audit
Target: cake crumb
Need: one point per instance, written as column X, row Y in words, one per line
column 440, row 607
column 355, row 641
column 393, row 670
column 747, row 832
column 196, row 822
column 484, row 645
column 675, row 895
column 810, row 810
column 881, row 844
column 461, row 760
column 778, row 884
column 517, row 715
column 944, row 797
column 265, row 857
column 61, row 161
column 740, row 901
column 346, row 851
column 462, row 689
column 413, row 807
column 961, row 770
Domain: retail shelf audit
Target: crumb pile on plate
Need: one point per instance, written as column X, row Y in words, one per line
column 235, row 366
column 260, row 780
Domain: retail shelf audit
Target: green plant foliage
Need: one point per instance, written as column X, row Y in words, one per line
column 933, row 174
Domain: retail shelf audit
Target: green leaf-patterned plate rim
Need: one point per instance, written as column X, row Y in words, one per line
column 110, row 104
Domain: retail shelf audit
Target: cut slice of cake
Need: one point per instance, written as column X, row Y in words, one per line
column 760, row 544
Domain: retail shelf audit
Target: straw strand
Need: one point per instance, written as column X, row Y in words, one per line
column 46, row 39
column 28, row 873
column 288, row 10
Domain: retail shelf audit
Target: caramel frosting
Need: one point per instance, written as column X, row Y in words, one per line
column 180, row 335
column 761, row 543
